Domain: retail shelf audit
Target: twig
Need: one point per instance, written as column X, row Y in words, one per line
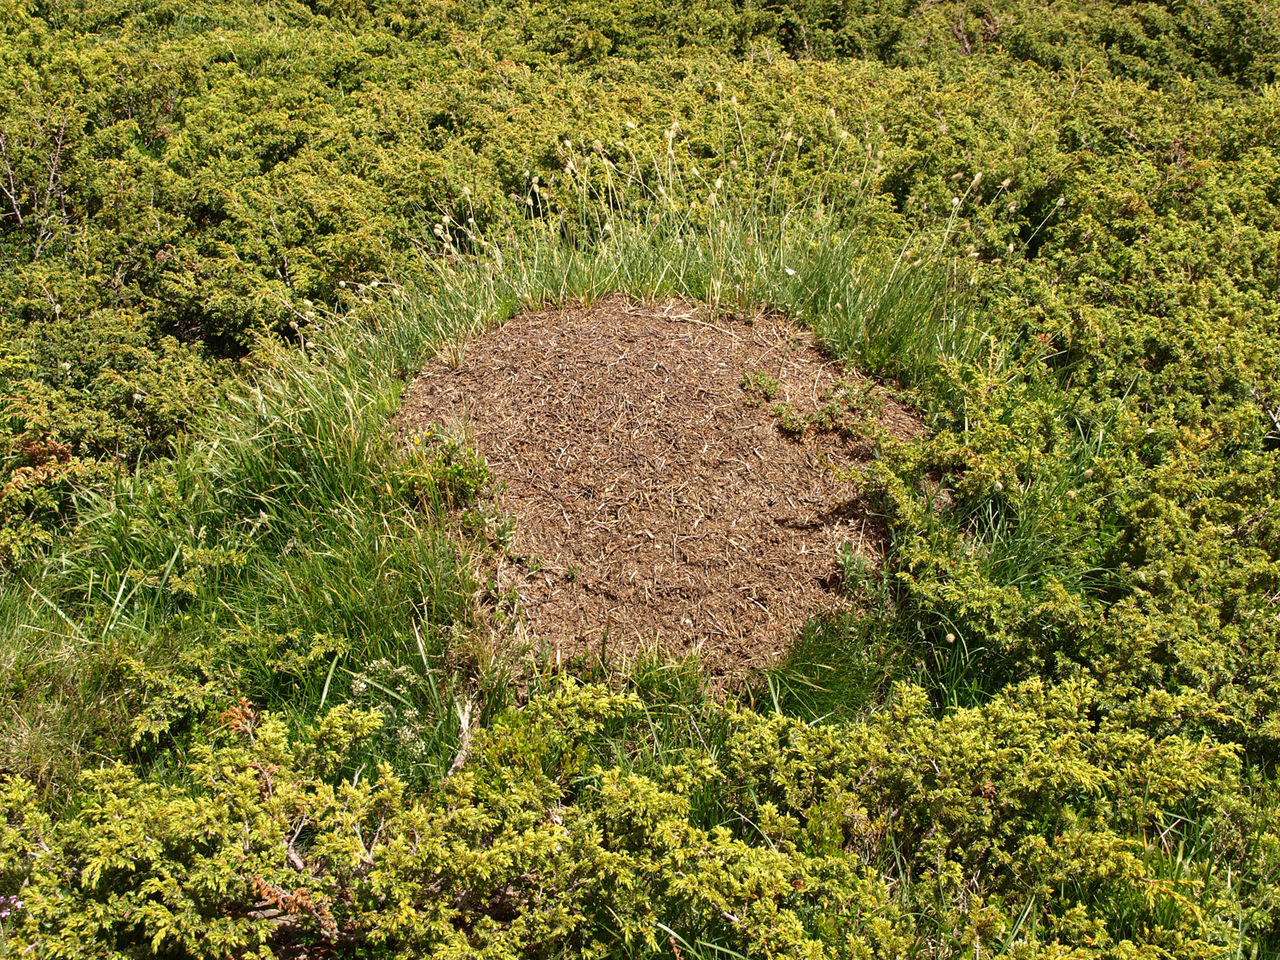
column 12, row 190
column 1270, row 412
column 464, row 737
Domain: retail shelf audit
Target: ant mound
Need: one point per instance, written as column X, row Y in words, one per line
column 674, row 476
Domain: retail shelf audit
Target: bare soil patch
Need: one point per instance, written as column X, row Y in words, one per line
column 652, row 465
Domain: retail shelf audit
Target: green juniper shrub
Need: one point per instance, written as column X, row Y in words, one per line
column 1006, row 820
column 259, row 698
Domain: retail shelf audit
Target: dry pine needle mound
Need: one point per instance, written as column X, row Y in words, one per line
column 674, row 476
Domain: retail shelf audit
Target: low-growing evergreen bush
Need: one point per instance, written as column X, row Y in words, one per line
column 1022, row 827
column 261, row 697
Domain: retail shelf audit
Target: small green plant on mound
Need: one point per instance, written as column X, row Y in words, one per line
column 852, row 410
column 791, row 421
column 855, row 568
column 760, row 385
column 441, row 474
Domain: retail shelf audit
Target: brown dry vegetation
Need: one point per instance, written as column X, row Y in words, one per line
column 674, row 476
